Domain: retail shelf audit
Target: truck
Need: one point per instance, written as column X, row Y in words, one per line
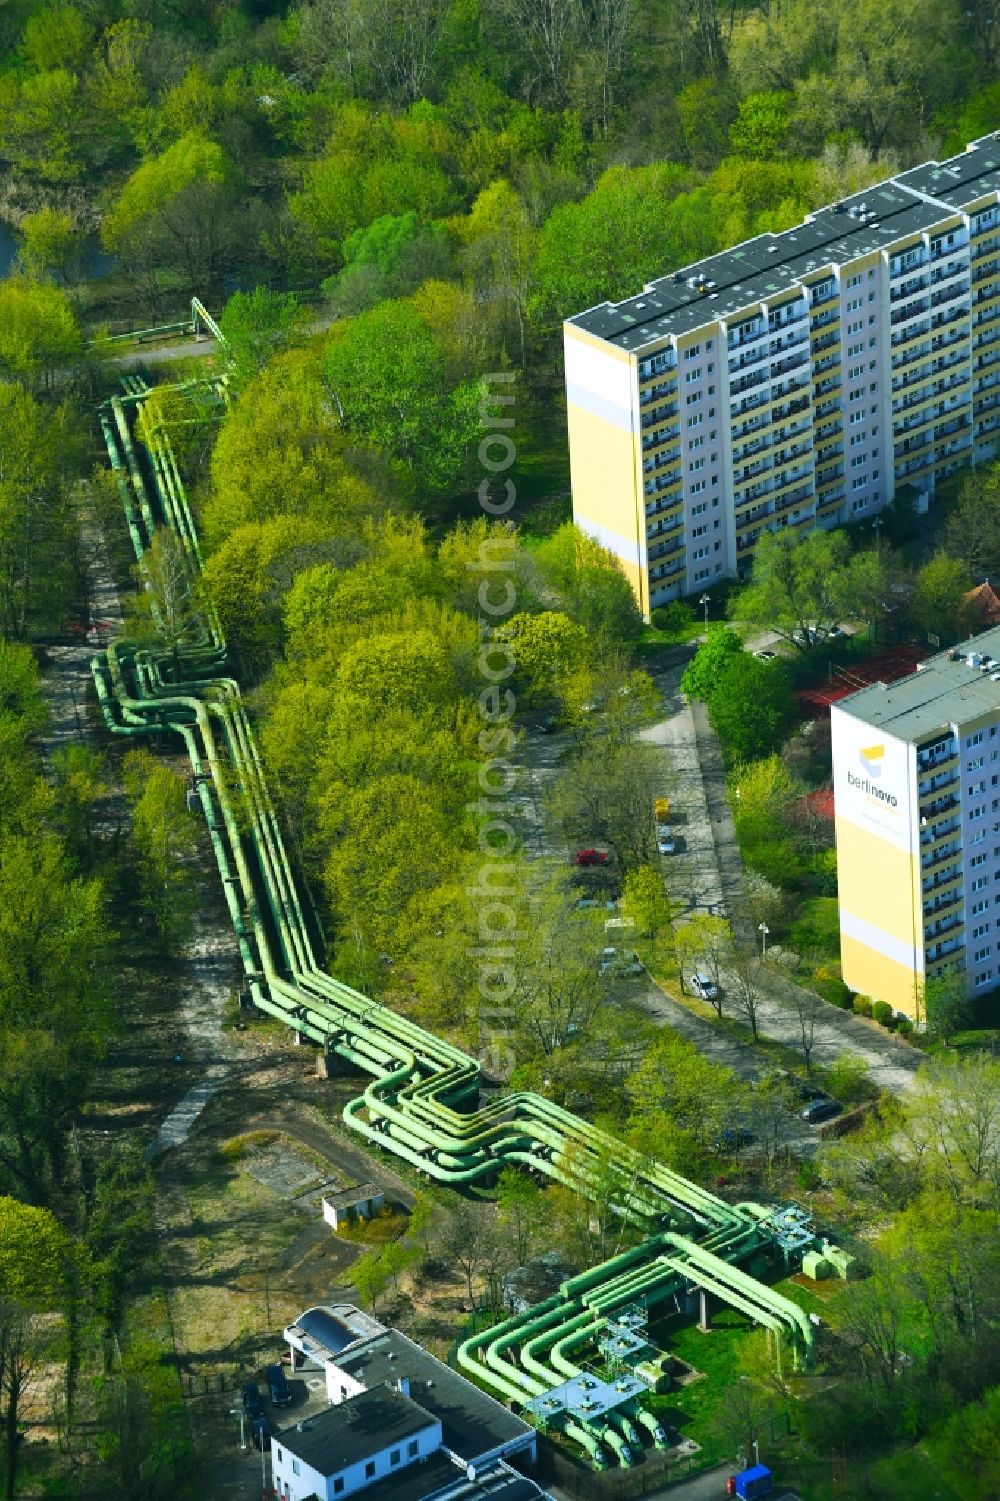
column 661, row 809
column 749, row 1484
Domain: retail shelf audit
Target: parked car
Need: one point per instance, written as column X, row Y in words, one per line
column 703, row 986
column 733, row 1140
column 277, row 1386
column 809, row 636
column 253, row 1404
column 591, row 857
column 260, row 1433
column 765, row 656
column 665, row 841
column 626, row 963
column 592, row 904
column 820, row 1110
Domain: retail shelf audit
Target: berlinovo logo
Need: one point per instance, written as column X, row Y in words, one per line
column 871, row 758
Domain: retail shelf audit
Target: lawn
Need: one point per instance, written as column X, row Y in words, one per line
column 909, row 1475
column 715, row 1356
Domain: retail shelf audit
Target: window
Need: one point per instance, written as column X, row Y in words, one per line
column 412, row 1449
column 697, row 487
column 871, row 296
column 873, row 364
column 984, row 979
column 295, row 1467
column 708, row 370
column 854, row 304
column 696, row 420
column 856, row 394
column 976, row 739
column 855, row 418
column 980, row 882
column 338, row 1485
column 700, row 531
column 854, row 281
column 857, row 461
column 690, row 376
column 872, row 343
column 394, row 1453
column 279, row 1456
column 698, row 442
column 980, row 955
column 981, row 931
column 700, row 508
column 859, row 483
column 875, row 472
column 693, row 352
column 857, row 438
column 370, row 1470
column 699, row 553
column 696, row 464
column 693, row 399
column 978, row 859
column 978, row 838
column 855, row 328
column 982, row 906
column 855, row 371
column 854, row 350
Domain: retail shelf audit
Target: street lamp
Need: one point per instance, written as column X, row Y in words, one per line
column 705, row 600
column 763, row 930
column 877, row 529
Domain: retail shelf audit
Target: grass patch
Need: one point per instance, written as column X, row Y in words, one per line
column 238, row 1147
column 715, row 1356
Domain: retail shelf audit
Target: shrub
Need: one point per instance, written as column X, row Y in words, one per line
column 674, row 619
column 816, row 930
column 904, row 1027
column 883, row 1013
column 808, row 1175
column 833, row 990
column 862, row 1005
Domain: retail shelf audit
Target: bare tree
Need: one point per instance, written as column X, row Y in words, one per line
column 399, row 39
column 705, row 943
column 608, row 27
column 549, row 31
column 25, row 1341
column 166, row 610
column 468, row 1241
column 747, row 994
column 807, row 1006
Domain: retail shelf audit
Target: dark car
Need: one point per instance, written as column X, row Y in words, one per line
column 591, row 857
column 260, row 1433
column 733, row 1139
column 277, row 1386
column 253, row 1404
column 821, row 1110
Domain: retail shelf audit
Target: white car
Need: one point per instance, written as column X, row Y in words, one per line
column 665, row 841
column 703, row 986
column 765, row 656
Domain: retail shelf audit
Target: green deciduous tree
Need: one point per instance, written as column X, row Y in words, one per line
column 388, row 380
column 797, row 584
column 702, row 673
column 164, row 840
column 256, row 326
column 752, row 707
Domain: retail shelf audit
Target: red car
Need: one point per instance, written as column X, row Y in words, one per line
column 591, row 857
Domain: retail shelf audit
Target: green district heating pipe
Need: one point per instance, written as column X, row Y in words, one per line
column 421, row 1103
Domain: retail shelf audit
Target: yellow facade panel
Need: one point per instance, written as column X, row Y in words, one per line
column 876, row 881
column 871, row 973
column 602, row 458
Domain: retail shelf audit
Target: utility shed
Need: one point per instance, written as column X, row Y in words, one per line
column 362, row 1202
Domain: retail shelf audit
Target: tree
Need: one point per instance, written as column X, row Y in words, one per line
column 164, row 840
column 166, row 610
column 594, row 590
column 500, row 248
column 847, row 1078
column 797, row 585
column 191, row 159
column 387, row 378
column 746, row 1407
column 719, row 648
column 945, row 1003
column 256, row 325
column 752, row 707
column 746, row 980
column 521, row 1212
column 808, row 1008
column 937, row 606
column 971, row 533
column 370, row 1276
column 645, row 901
column 705, row 943
column 39, row 332
column 35, row 1259
column 544, row 649
column 771, row 1100
column 605, row 793
column 51, row 244
column 37, row 510
column 467, row 1241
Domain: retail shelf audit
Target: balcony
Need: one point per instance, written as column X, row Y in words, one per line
column 949, row 294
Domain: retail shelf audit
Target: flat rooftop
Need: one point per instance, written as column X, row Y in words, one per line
column 439, row 1478
column 472, row 1423
column 764, row 267
column 945, row 691
column 356, row 1429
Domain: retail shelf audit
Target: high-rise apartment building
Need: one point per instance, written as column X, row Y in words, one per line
column 798, row 379
column 916, row 776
